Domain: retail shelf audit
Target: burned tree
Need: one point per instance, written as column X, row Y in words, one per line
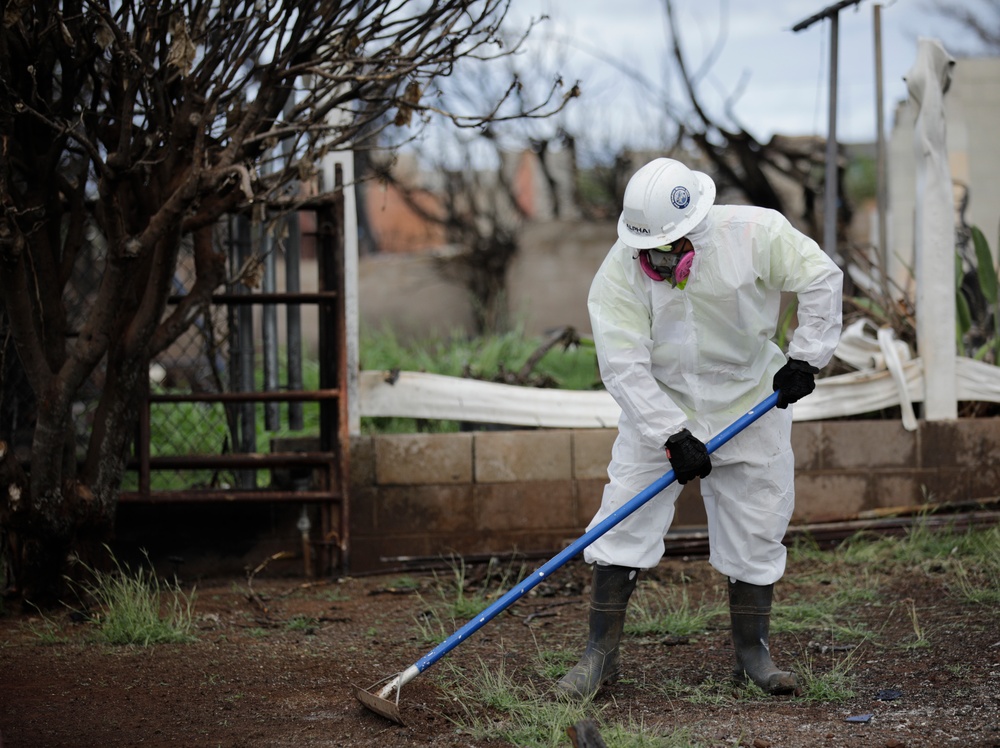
column 128, row 127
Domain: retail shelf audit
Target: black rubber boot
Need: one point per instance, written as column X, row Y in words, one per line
column 750, row 612
column 600, row 664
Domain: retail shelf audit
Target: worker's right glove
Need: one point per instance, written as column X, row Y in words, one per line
column 794, row 380
column 688, row 456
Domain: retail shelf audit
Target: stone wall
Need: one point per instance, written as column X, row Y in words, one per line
column 425, row 496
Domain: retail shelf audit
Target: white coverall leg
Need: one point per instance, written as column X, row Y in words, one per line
column 749, row 497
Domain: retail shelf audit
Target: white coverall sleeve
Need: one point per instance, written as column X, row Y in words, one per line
column 799, row 266
column 621, row 322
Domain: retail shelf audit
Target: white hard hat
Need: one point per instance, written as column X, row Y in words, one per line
column 664, row 200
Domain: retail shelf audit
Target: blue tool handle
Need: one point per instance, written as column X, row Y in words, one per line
column 529, row 582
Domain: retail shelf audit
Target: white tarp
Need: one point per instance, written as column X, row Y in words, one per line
column 934, row 229
column 433, row 396
column 888, row 376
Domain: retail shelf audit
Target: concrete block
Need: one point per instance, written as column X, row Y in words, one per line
column 507, row 456
column 419, row 459
column 824, row 497
column 949, row 484
column 540, row 546
column 362, row 461
column 363, row 502
column 849, row 445
column 588, row 501
column 528, row 505
column 919, row 487
column 972, row 443
column 424, row 509
column 982, row 484
column 807, row 439
column 592, row 453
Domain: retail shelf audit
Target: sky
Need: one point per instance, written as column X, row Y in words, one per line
column 782, row 76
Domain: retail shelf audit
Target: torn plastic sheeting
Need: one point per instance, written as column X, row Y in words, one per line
column 887, row 342
column 422, row 395
column 977, row 381
column 434, row 396
column 864, row 350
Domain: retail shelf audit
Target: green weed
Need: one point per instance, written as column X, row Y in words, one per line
column 818, row 614
column 668, row 613
column 831, row 686
column 302, row 623
column 46, row 631
column 555, row 664
column 920, row 640
column 459, row 600
column 134, row 607
column 494, row 704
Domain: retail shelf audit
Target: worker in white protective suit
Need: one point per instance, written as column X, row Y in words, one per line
column 683, row 310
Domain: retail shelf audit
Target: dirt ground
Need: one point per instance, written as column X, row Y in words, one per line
column 274, row 662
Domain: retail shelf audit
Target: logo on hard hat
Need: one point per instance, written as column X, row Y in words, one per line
column 680, row 197
column 637, row 229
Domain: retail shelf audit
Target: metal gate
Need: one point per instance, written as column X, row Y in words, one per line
column 250, row 405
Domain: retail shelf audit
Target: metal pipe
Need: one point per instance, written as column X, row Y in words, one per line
column 269, row 329
column 202, row 496
column 830, row 196
column 880, row 155
column 247, row 435
column 246, row 299
column 246, row 397
column 293, row 317
column 238, row 460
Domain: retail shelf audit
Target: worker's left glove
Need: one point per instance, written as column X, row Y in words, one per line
column 794, row 380
column 688, row 456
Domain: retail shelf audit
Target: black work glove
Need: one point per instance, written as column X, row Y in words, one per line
column 794, row 380
column 688, row 456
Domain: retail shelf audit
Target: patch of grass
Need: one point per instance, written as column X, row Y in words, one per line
column 334, row 596
column 658, row 612
column 495, row 705
column 134, row 607
column 930, row 547
column 556, row 663
column 47, row 631
column 458, row 600
column 831, row 686
column 431, row 629
column 818, row 614
column 302, row 623
column 405, row 583
column 672, row 688
column 920, row 640
column 980, row 587
column 635, row 733
column 711, row 693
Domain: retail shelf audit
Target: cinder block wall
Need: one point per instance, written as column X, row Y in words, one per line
column 424, row 496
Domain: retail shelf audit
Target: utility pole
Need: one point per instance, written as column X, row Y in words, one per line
column 830, row 191
column 880, row 159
